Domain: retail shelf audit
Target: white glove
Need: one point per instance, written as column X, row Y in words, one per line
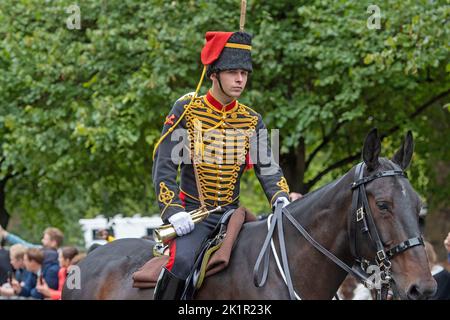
column 284, row 200
column 182, row 223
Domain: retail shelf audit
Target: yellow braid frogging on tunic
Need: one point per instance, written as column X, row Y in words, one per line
column 284, row 188
column 283, row 185
column 165, row 195
column 220, row 142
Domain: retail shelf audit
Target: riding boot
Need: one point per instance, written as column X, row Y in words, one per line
column 168, row 287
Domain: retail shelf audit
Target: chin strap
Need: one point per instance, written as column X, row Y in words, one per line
column 221, row 88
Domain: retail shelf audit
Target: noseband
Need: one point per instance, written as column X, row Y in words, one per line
column 363, row 222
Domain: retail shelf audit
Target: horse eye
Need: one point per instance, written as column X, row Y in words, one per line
column 383, row 206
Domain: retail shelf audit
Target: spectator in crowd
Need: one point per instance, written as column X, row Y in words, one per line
column 447, row 246
column 441, row 275
column 351, row 289
column 105, row 235
column 345, row 291
column 5, row 265
column 66, row 256
column 52, row 239
column 78, row 258
column 41, row 269
column 16, row 255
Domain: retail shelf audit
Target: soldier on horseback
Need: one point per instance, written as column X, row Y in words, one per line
column 219, row 131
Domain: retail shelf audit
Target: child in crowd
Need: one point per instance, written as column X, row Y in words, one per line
column 66, row 256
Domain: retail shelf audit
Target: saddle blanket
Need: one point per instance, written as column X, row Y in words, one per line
column 147, row 276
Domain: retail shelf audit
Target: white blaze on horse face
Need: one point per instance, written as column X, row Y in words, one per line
column 403, row 188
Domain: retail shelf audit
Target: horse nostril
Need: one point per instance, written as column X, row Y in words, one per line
column 414, row 293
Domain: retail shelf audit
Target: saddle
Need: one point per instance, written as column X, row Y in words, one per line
column 213, row 256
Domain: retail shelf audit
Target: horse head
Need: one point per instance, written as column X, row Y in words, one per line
column 394, row 206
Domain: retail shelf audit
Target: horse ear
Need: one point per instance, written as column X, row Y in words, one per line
column 404, row 155
column 371, row 150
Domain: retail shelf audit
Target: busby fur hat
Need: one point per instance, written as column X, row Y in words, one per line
column 227, row 51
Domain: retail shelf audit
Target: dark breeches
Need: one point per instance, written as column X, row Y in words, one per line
column 184, row 250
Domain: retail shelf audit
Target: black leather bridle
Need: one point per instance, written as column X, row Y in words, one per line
column 361, row 223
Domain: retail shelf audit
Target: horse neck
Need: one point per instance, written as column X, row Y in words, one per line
column 324, row 215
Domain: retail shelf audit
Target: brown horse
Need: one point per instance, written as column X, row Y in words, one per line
column 325, row 213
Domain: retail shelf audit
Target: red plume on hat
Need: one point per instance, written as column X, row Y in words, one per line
column 227, row 51
column 215, row 42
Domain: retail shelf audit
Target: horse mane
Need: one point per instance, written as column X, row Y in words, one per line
column 308, row 199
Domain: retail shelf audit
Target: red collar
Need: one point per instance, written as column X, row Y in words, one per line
column 211, row 101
